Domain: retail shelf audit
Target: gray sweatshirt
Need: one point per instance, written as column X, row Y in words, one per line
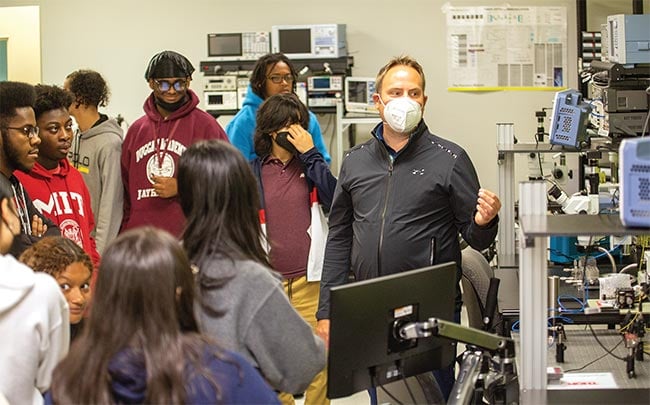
column 258, row 321
column 98, row 160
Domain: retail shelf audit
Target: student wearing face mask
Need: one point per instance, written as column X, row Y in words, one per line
column 154, row 143
column 292, row 175
column 403, row 197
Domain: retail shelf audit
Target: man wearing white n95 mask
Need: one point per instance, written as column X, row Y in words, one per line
column 403, row 197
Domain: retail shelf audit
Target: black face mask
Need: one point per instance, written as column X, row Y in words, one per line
column 281, row 139
column 171, row 107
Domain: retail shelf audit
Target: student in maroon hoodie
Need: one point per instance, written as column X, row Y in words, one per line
column 153, row 144
column 55, row 187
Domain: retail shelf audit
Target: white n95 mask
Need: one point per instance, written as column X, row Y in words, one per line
column 402, row 114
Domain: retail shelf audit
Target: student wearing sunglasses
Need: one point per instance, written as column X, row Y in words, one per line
column 153, row 144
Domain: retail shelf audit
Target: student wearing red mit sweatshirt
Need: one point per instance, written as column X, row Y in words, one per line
column 56, row 188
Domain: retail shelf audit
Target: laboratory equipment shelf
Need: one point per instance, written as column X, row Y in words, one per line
column 343, row 121
column 506, row 151
column 534, row 148
column 535, row 226
column 573, row 225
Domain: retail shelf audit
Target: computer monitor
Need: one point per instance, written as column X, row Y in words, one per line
column 365, row 317
column 358, row 94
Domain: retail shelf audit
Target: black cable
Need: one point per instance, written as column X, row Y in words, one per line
column 593, row 361
column 409, row 390
column 539, row 157
column 603, row 346
column 390, row 395
column 559, row 253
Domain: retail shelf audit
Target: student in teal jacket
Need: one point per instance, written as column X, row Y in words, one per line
column 272, row 74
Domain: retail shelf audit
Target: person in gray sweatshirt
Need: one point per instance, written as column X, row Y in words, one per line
column 96, row 152
column 34, row 318
column 241, row 302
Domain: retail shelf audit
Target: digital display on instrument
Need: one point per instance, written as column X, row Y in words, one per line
column 309, row 41
column 225, row 44
column 358, row 92
column 321, row 83
column 295, row 40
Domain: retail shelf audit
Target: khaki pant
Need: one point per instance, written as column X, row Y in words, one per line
column 303, row 296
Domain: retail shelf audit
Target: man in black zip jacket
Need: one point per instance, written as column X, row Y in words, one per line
column 403, row 197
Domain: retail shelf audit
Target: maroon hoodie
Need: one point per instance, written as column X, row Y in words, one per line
column 153, row 145
column 63, row 197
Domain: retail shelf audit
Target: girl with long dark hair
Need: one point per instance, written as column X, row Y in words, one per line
column 141, row 345
column 241, row 301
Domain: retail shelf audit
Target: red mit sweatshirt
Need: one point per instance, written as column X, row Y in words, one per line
column 62, row 196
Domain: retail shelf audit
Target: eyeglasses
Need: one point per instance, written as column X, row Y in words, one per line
column 277, row 79
column 166, row 85
column 28, row 130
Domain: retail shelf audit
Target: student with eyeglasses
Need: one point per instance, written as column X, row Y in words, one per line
column 272, row 74
column 154, row 143
column 18, row 153
column 57, row 189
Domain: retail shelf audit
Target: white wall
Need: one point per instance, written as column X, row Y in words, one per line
column 118, row 37
column 20, row 26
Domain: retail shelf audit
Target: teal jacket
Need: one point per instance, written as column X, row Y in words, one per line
column 241, row 129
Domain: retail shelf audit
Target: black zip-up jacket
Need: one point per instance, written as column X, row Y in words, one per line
column 392, row 215
column 24, row 240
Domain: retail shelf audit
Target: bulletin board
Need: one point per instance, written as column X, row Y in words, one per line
column 506, row 48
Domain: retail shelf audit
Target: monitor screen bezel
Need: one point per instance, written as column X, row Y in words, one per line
column 361, row 313
column 286, row 49
column 237, row 35
column 357, row 106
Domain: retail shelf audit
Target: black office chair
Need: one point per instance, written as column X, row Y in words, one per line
column 477, row 273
